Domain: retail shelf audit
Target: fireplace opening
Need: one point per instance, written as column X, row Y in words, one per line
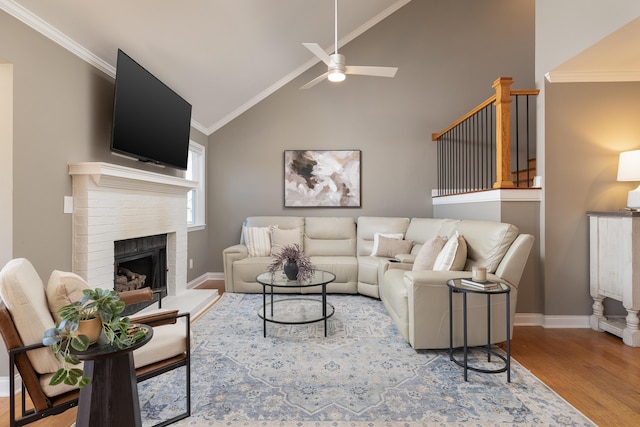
column 139, row 263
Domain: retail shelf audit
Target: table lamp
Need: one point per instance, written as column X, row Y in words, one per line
column 629, row 170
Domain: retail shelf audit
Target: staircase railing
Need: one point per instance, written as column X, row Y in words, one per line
column 477, row 151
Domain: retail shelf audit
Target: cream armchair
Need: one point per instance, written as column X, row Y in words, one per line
column 25, row 313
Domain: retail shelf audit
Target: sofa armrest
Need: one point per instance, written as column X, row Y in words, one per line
column 406, row 258
column 229, row 256
column 399, row 266
column 514, row 261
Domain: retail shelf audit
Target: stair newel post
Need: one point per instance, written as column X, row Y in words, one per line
column 502, row 87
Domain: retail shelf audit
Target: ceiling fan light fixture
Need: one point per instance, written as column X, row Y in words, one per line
column 336, row 76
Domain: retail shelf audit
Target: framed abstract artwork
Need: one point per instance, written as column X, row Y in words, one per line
column 317, row 178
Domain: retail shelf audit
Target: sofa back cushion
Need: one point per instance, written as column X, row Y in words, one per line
column 421, row 230
column 282, row 223
column 329, row 236
column 23, row 293
column 487, row 242
column 368, row 226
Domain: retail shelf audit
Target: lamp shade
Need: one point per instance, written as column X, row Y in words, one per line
column 629, row 166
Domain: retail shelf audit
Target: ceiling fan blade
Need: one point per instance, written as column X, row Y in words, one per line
column 315, row 81
column 320, row 53
column 371, row 71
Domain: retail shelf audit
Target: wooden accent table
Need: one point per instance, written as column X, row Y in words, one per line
column 111, row 397
column 614, row 265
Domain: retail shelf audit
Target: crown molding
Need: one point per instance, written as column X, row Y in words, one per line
column 593, row 76
column 33, row 21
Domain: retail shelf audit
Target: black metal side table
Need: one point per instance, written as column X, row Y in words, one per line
column 457, row 286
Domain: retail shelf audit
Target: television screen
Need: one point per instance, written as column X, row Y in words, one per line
column 150, row 121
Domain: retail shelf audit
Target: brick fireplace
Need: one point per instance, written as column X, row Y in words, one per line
column 114, row 203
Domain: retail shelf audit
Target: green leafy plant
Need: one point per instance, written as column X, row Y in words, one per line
column 64, row 340
column 293, row 253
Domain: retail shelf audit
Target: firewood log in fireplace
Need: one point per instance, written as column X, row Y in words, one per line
column 127, row 280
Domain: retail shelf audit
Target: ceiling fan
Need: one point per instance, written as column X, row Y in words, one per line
column 336, row 63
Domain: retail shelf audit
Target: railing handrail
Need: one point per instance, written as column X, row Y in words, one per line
column 499, row 161
column 484, row 104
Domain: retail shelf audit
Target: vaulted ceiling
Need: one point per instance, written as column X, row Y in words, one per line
column 223, row 56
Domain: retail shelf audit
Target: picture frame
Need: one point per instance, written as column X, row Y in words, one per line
column 322, row 178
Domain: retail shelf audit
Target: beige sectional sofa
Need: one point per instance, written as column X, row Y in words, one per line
column 417, row 300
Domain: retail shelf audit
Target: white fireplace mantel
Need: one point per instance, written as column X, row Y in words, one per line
column 111, row 203
column 110, row 175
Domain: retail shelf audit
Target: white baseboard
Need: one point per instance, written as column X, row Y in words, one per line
column 4, row 386
column 203, row 278
column 538, row 319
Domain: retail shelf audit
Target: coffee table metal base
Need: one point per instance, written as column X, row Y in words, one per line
column 296, row 311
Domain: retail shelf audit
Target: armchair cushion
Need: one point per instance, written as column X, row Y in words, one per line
column 63, row 288
column 23, row 293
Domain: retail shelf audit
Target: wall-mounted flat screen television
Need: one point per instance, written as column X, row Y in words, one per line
column 151, row 122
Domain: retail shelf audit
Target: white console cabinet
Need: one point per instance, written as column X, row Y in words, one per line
column 615, row 271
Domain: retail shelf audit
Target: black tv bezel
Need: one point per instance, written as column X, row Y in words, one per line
column 147, row 157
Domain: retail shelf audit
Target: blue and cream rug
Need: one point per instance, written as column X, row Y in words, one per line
column 362, row 374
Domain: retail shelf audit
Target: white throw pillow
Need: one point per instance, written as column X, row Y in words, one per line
column 453, row 255
column 281, row 238
column 376, row 240
column 426, row 257
column 258, row 240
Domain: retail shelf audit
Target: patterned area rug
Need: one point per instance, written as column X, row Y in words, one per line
column 362, row 374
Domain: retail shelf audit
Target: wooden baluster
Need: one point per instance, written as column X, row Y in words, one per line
column 503, row 132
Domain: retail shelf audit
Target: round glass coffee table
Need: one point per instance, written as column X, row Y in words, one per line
column 296, row 310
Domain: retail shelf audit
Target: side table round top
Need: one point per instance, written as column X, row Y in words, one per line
column 101, row 351
column 459, row 286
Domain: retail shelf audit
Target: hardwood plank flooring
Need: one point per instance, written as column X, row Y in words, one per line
column 593, row 371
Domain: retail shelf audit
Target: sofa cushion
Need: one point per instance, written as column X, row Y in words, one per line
column 426, row 257
column 281, row 238
column 487, row 242
column 23, row 293
column 368, row 226
column 376, row 240
column 258, row 240
column 422, row 229
column 330, row 236
column 453, row 255
column 390, row 247
column 63, row 288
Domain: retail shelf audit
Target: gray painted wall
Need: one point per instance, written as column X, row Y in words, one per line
column 581, row 128
column 448, row 54
column 588, row 125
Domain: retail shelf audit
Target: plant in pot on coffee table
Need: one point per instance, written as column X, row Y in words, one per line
column 296, row 265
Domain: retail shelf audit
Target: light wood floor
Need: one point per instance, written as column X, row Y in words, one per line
column 593, row 371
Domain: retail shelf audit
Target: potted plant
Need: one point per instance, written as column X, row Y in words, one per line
column 296, row 265
column 104, row 306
